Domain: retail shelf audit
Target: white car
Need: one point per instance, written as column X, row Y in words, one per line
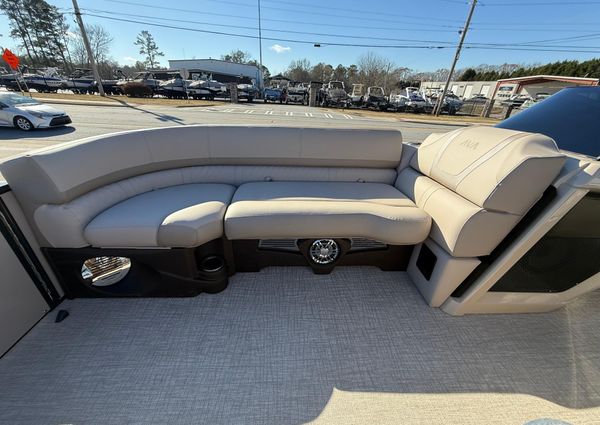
column 26, row 113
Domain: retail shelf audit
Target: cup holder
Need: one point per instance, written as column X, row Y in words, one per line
column 212, row 274
column 212, row 264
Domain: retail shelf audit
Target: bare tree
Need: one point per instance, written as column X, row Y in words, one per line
column 299, row 70
column 100, row 41
column 374, row 70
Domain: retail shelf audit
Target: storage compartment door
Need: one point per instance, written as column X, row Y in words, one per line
column 21, row 303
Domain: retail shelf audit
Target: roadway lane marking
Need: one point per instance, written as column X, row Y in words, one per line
column 268, row 112
column 348, row 117
column 249, row 111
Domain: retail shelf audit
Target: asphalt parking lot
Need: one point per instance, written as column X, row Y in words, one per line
column 96, row 120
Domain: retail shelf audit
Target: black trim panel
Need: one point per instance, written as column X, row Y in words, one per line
column 27, row 257
column 175, row 272
column 185, row 272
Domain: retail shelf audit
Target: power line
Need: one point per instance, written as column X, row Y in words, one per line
column 286, row 21
column 361, row 11
column 395, row 46
column 313, row 13
column 305, row 6
column 344, row 36
column 269, row 29
column 541, row 3
column 419, row 27
column 266, row 38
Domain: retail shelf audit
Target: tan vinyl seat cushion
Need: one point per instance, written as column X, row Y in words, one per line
column 377, row 211
column 476, row 183
column 177, row 216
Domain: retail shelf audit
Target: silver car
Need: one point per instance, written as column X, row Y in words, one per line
column 26, row 113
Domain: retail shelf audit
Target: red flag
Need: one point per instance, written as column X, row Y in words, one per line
column 10, row 58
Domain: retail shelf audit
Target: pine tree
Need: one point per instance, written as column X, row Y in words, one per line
column 40, row 28
column 148, row 47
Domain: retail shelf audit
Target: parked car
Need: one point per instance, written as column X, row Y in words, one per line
column 26, row 113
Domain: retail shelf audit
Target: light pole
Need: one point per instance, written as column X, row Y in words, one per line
column 86, row 43
column 440, row 102
column 260, row 46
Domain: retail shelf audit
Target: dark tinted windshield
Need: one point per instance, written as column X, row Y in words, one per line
column 570, row 117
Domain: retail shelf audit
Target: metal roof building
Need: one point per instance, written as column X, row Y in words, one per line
column 535, row 84
column 214, row 66
column 503, row 89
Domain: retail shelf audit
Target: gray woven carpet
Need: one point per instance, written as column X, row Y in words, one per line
column 285, row 346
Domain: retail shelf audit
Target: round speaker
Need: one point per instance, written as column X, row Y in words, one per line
column 324, row 251
column 105, row 271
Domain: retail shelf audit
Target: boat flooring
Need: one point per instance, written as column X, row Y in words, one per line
column 285, row 346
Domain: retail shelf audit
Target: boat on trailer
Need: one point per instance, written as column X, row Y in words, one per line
column 332, row 266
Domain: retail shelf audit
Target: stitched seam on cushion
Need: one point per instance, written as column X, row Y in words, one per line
column 487, row 157
column 366, row 214
column 428, row 196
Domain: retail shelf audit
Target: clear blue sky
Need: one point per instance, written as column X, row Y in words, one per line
column 380, row 22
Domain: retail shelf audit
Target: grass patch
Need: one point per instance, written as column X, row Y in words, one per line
column 125, row 99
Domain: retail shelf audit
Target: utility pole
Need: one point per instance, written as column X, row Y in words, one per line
column 440, row 102
column 86, row 43
column 260, row 45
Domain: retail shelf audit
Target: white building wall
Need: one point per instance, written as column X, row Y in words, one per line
column 462, row 88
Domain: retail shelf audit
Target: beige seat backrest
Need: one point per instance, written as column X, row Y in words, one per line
column 62, row 188
column 60, row 174
column 478, row 182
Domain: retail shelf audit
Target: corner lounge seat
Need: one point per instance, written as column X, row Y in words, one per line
column 178, row 216
column 174, row 187
column 158, row 187
column 264, row 210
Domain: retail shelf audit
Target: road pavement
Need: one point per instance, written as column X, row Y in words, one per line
column 96, row 120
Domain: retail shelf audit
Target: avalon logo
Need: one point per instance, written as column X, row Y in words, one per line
column 469, row 144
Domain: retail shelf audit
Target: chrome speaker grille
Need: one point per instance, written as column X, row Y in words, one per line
column 324, row 251
column 105, row 271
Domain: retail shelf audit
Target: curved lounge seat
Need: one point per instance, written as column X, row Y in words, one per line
column 325, row 209
column 177, row 216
